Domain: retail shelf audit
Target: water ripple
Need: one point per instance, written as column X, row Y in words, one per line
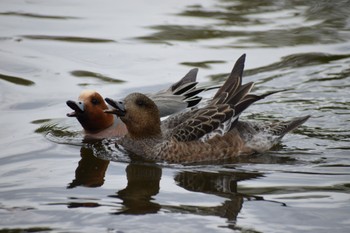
column 33, row 15
column 16, row 80
column 100, row 77
column 72, row 39
column 293, row 23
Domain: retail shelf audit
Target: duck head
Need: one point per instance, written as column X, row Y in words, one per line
column 139, row 113
column 89, row 111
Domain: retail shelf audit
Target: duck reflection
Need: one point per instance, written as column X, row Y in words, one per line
column 143, row 184
column 222, row 183
column 90, row 171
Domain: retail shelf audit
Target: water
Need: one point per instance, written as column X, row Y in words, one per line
column 51, row 181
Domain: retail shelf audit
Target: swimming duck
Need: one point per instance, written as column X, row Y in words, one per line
column 210, row 133
column 89, row 109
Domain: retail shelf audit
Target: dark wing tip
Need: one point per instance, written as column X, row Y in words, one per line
column 190, row 77
column 234, row 80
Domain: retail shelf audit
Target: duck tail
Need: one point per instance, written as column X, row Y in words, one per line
column 193, row 101
column 234, row 81
column 187, row 87
column 190, row 77
column 250, row 99
column 282, row 128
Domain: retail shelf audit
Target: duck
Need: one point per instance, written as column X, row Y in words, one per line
column 89, row 111
column 208, row 133
column 90, row 107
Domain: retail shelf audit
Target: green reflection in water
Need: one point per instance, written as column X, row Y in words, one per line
column 54, row 128
column 327, row 134
column 184, row 33
column 31, row 15
column 300, row 60
column 294, row 61
column 202, row 64
column 74, row 39
column 306, row 22
column 41, row 121
column 85, row 73
column 22, row 230
column 16, row 80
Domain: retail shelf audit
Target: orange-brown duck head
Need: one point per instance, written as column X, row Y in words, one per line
column 89, row 110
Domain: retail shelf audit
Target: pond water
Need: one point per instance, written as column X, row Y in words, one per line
column 51, row 181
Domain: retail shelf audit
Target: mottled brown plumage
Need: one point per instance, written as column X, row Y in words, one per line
column 205, row 134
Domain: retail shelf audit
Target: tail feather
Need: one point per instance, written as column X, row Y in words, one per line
column 281, row 128
column 193, row 101
column 250, row 99
column 220, row 99
column 184, row 87
column 190, row 77
column 271, row 93
column 193, row 92
column 234, row 81
column 240, row 94
column 244, row 104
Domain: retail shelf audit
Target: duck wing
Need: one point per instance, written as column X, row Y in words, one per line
column 179, row 96
column 217, row 114
column 201, row 122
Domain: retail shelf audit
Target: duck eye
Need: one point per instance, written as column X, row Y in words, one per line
column 94, row 101
column 140, row 103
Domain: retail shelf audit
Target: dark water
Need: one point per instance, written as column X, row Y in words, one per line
column 53, row 182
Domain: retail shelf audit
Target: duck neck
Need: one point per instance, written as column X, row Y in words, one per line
column 153, row 132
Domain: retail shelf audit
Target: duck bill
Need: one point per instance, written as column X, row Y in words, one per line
column 78, row 107
column 118, row 107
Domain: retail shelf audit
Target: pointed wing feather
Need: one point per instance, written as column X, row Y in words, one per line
column 201, row 122
column 190, row 77
column 235, row 79
column 220, row 99
column 184, row 88
column 242, row 91
column 250, row 99
column 179, row 96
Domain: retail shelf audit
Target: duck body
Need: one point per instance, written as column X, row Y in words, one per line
column 242, row 140
column 176, row 152
column 207, row 134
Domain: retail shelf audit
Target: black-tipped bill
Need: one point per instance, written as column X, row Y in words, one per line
column 119, row 108
column 78, row 107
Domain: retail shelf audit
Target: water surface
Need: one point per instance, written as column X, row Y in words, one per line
column 54, row 181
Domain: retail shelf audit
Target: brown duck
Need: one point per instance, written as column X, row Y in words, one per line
column 207, row 134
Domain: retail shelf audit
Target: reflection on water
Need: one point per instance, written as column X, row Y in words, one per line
column 100, row 77
column 223, row 184
column 90, row 171
column 299, row 60
column 40, row 16
column 58, row 131
column 55, row 180
column 293, row 23
column 68, row 39
column 16, row 80
column 142, row 186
